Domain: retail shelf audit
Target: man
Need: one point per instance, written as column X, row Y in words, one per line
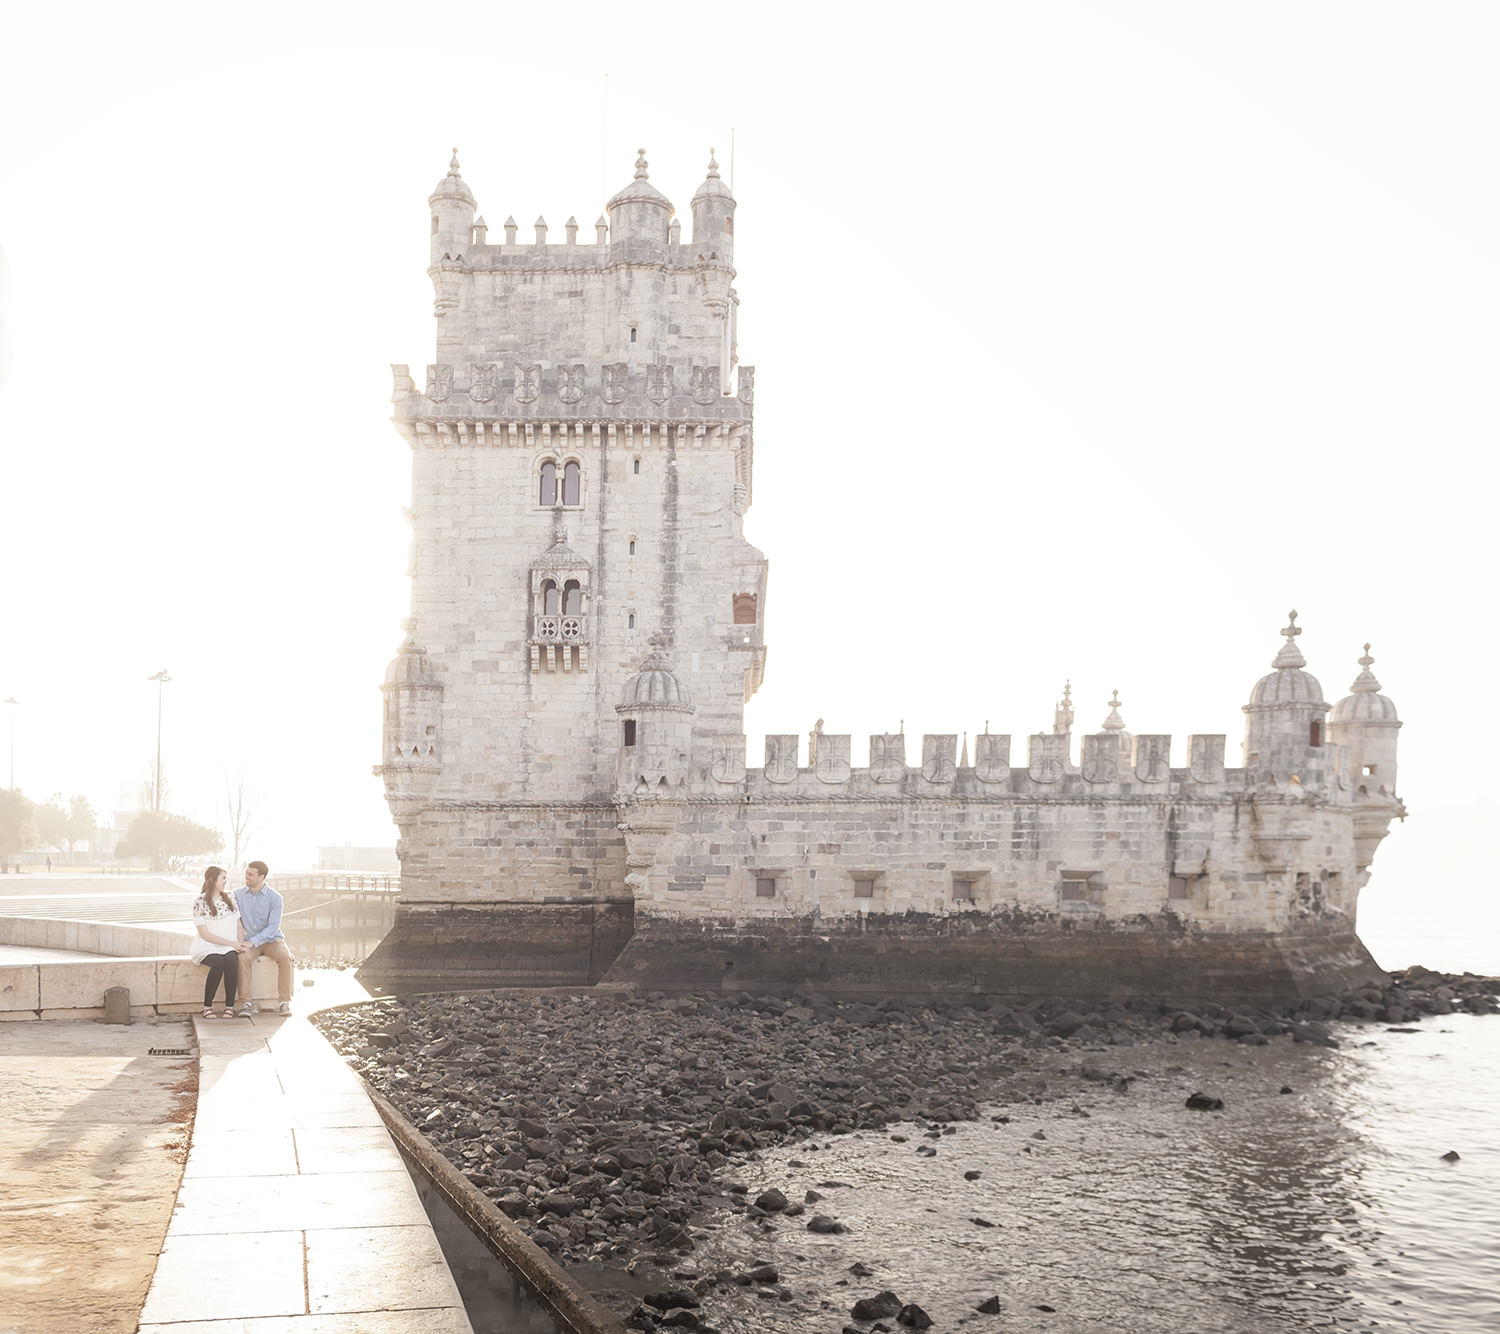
column 260, row 911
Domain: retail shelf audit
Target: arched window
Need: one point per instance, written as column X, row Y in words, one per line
column 744, row 608
column 551, row 602
column 632, row 546
column 572, row 599
column 548, row 494
column 570, row 483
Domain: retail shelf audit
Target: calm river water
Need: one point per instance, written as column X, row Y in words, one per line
column 1329, row 1207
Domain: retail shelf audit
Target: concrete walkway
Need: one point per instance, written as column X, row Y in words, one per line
column 295, row 1213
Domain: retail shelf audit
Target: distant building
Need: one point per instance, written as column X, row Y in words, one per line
column 563, row 737
column 347, row 857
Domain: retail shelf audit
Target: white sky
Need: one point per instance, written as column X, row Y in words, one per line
column 1090, row 338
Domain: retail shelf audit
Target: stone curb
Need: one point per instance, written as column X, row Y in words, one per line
column 564, row 1299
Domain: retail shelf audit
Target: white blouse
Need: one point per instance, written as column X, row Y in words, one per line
column 222, row 922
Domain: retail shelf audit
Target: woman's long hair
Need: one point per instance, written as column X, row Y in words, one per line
column 211, row 887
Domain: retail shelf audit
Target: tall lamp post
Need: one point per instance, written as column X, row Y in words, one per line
column 12, row 701
column 161, row 678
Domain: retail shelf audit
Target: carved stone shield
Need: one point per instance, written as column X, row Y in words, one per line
column 1153, row 762
column 1047, row 757
column 570, row 383
column 747, row 384
column 992, row 757
column 658, row 383
column 528, row 383
column 439, row 383
column 705, row 384
column 729, row 758
column 1101, row 758
column 482, row 382
column 832, row 765
column 781, row 758
column 888, row 757
column 615, row 382
column 1206, row 758
column 937, row 757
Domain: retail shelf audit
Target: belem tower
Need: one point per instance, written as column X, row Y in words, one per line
column 564, row 752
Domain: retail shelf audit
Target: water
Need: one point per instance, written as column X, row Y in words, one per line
column 1326, row 1208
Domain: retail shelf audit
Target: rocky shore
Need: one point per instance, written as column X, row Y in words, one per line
column 615, row 1129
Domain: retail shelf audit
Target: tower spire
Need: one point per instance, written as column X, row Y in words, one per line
column 1062, row 716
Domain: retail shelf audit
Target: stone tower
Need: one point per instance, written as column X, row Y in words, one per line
column 581, row 466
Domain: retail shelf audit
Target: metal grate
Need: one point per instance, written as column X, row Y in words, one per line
column 169, row 1051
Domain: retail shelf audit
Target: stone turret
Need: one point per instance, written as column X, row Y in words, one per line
column 453, row 208
column 1365, row 721
column 1284, row 719
column 656, row 727
column 638, row 218
column 412, row 754
column 713, row 217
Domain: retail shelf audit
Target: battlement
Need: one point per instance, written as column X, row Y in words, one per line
column 1105, row 769
column 533, row 391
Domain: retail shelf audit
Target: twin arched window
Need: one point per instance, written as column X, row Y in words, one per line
column 550, row 494
column 564, row 601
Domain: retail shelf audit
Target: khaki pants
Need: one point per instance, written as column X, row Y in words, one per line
column 272, row 949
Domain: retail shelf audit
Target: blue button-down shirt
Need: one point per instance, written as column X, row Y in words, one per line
column 261, row 914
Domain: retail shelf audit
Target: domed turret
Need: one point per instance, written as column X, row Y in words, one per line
column 713, row 216
column 412, row 751
column 639, row 216
column 453, row 208
column 1366, row 722
column 1284, row 718
column 656, row 726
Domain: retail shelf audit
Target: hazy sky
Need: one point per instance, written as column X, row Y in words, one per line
column 1090, row 339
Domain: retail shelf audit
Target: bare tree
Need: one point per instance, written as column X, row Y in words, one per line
column 243, row 813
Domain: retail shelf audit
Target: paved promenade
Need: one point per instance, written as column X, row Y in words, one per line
column 296, row 1214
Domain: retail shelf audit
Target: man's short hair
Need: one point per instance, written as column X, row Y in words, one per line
column 260, row 868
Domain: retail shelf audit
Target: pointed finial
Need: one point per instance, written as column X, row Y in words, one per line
column 1290, row 655
column 713, row 165
column 1365, row 683
column 963, row 759
column 640, row 165
column 453, row 164
column 1114, row 723
column 1062, row 717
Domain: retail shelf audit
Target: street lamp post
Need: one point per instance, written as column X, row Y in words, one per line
column 12, row 701
column 161, row 678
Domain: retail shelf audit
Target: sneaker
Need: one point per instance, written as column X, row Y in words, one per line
column 286, row 1007
column 249, row 1008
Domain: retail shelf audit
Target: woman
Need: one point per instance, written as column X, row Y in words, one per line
column 220, row 940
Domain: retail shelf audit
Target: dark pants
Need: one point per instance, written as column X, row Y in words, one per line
column 225, row 967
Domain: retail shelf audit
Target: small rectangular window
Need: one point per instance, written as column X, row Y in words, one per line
column 630, row 731
column 1315, row 734
column 963, row 891
column 765, row 887
column 864, row 889
column 1179, row 887
column 1075, row 891
column 1369, row 771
